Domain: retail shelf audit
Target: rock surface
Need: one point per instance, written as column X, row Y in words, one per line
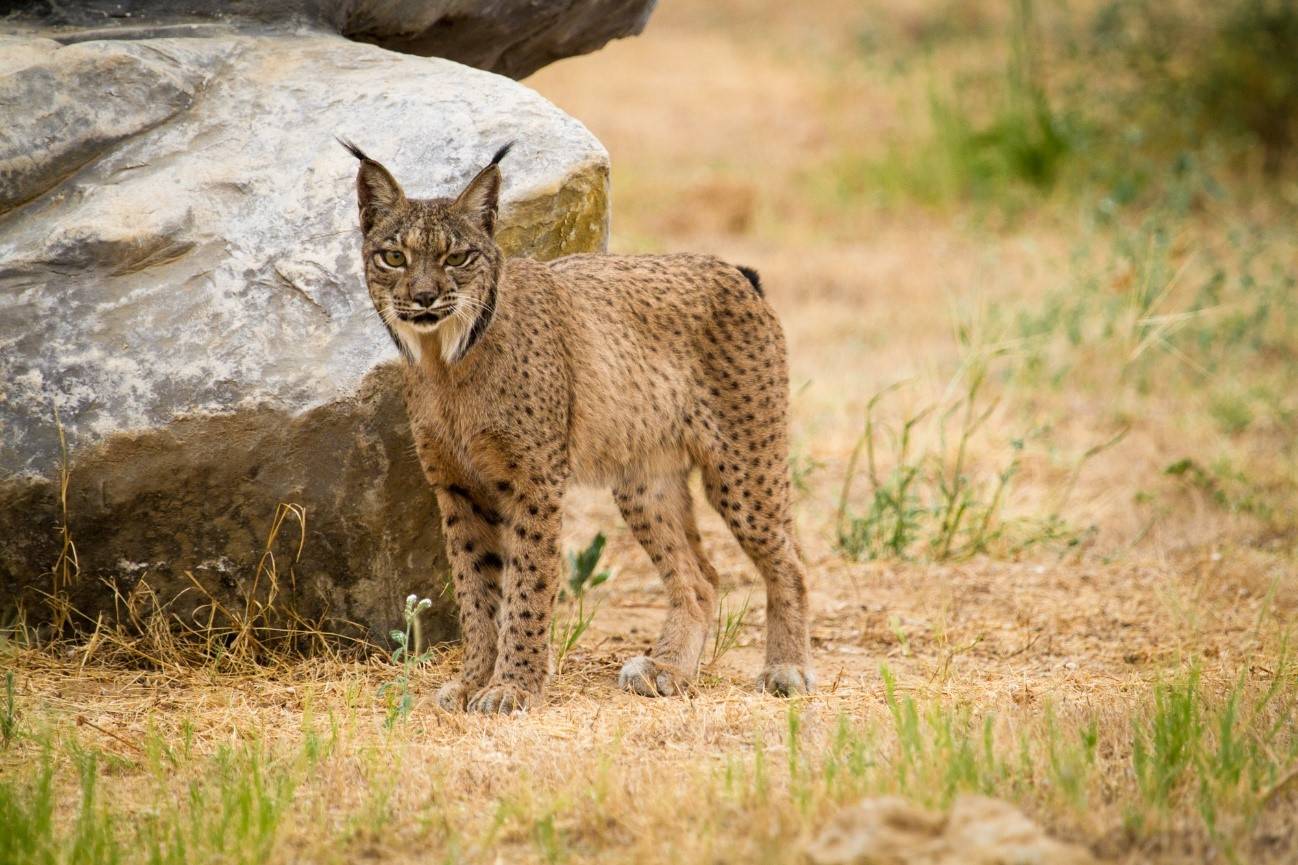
column 180, row 283
column 979, row 831
column 512, row 37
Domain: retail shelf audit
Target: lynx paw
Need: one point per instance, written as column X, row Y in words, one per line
column 453, row 696
column 501, row 699
column 642, row 676
column 786, row 680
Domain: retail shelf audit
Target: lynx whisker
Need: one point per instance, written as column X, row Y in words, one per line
column 468, row 303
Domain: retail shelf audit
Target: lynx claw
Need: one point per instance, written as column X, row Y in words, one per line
column 501, row 699
column 453, row 696
column 642, row 676
column 786, row 680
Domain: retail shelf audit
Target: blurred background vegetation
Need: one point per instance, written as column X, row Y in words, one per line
column 1127, row 98
column 1096, row 197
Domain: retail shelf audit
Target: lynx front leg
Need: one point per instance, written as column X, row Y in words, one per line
column 529, row 582
column 661, row 514
column 472, row 534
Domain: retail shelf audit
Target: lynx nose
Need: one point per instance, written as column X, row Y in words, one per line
column 424, row 298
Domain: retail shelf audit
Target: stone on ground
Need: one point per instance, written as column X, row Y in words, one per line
column 889, row 830
column 180, row 289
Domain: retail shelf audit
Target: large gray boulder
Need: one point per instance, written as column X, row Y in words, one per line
column 512, row 37
column 180, row 290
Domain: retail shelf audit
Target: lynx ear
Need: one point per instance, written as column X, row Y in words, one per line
column 480, row 200
column 377, row 191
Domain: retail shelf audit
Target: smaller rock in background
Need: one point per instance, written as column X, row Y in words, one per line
column 888, row 830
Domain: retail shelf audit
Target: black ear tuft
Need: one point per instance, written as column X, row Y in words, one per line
column 481, row 198
column 753, row 279
column 377, row 191
column 353, row 149
column 502, row 153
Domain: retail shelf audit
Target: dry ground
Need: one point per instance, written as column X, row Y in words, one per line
column 1078, row 657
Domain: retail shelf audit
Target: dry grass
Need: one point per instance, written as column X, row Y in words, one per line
column 1124, row 676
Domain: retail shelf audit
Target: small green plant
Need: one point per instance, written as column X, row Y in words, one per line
column 958, row 507
column 1229, row 756
column 582, row 577
column 29, row 832
column 1163, row 749
column 396, row 695
column 1232, row 412
column 802, row 782
column 27, row 828
column 850, row 760
column 931, row 504
column 549, row 839
column 801, row 467
column 232, row 812
column 1001, row 141
column 942, row 752
column 9, row 717
column 1025, row 141
column 1225, row 486
column 894, row 625
column 93, row 838
column 730, row 621
column 1071, row 763
column 892, row 520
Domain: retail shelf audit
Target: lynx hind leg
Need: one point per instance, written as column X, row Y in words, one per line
column 660, row 514
column 746, row 477
column 754, row 502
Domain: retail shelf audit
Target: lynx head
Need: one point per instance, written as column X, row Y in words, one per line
column 431, row 264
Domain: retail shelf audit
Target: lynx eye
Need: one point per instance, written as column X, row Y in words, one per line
column 393, row 258
column 455, row 259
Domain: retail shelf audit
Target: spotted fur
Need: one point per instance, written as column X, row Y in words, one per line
column 524, row 377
